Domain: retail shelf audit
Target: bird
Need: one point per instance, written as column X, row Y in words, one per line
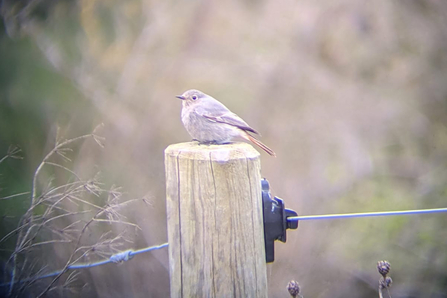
column 210, row 122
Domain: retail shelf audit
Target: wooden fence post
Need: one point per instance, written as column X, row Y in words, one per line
column 215, row 226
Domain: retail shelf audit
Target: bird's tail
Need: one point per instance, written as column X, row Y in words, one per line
column 260, row 144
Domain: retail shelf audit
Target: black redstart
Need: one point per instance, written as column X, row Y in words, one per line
column 209, row 121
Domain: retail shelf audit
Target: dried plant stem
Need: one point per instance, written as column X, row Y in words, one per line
column 47, row 157
column 77, row 248
column 27, row 222
column 59, row 208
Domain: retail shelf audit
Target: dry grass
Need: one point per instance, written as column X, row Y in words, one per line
column 58, row 218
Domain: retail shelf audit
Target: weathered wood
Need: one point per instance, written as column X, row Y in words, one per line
column 215, row 227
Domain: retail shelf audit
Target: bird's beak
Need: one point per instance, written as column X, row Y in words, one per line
column 180, row 96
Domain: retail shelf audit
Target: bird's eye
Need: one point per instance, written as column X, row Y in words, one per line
column 194, row 97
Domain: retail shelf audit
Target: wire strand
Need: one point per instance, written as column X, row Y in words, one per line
column 128, row 254
column 116, row 258
column 366, row 214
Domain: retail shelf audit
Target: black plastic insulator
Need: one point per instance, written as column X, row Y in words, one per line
column 275, row 220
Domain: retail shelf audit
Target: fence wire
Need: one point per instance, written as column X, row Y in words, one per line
column 128, row 254
column 116, row 258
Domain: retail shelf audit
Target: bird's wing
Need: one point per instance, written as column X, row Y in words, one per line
column 230, row 119
column 216, row 112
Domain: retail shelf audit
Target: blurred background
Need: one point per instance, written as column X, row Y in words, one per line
column 352, row 97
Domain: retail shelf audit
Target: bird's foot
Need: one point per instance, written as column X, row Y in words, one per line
column 208, row 143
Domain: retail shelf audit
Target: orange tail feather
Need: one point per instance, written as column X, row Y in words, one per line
column 260, row 144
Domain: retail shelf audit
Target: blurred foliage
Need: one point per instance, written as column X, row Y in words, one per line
column 350, row 95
